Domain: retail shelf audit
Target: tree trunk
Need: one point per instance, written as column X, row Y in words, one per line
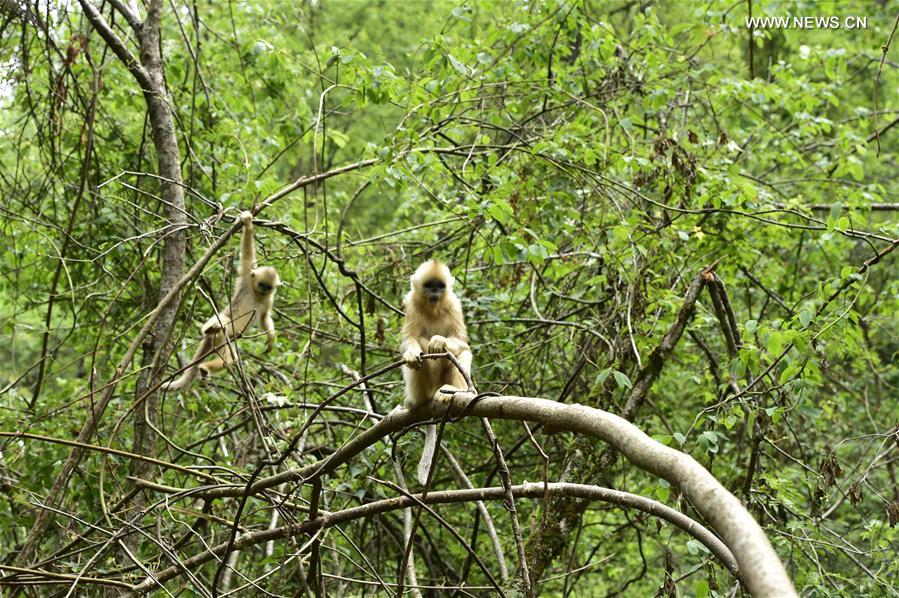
column 149, row 75
column 168, row 157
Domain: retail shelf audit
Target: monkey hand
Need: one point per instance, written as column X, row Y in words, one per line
column 412, row 357
column 437, row 344
column 246, row 217
column 269, row 343
column 213, row 326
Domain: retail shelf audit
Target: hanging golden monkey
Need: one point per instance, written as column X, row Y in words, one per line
column 253, row 300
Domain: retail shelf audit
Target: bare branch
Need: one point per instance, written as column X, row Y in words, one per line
column 130, row 16
column 763, row 572
column 117, row 46
column 653, row 368
column 533, row 490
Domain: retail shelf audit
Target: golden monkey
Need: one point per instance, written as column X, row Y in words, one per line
column 433, row 323
column 254, row 296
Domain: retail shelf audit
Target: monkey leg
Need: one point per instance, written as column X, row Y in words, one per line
column 453, row 377
column 225, row 357
column 447, row 391
column 457, row 346
column 420, row 385
column 210, row 367
column 215, row 324
column 465, row 361
column 454, row 381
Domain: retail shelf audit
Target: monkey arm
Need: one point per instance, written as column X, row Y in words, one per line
column 412, row 342
column 216, row 323
column 411, row 350
column 453, row 344
column 265, row 321
column 247, row 250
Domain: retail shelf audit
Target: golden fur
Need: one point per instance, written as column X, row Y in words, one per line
column 433, row 324
column 254, row 295
column 432, row 328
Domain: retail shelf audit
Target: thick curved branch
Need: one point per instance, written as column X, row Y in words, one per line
column 763, row 572
column 534, row 490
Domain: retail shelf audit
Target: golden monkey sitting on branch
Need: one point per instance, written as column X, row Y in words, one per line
column 433, row 323
column 254, row 296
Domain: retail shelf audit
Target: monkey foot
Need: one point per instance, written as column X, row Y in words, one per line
column 451, row 392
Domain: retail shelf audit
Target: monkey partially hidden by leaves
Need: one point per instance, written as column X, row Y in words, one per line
column 253, row 299
column 433, row 324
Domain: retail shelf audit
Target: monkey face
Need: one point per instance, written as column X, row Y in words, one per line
column 434, row 289
column 431, row 281
column 265, row 280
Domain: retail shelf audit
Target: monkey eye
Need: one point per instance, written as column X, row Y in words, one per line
column 252, row 275
column 436, row 285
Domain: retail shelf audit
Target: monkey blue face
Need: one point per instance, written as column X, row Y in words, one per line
column 434, row 290
column 264, row 280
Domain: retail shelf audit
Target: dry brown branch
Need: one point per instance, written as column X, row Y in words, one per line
column 463, row 478
column 533, row 490
column 524, row 576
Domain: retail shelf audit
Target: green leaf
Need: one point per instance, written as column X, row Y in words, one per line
column 339, row 138
column 805, row 316
column 835, row 210
column 775, row 343
column 663, row 492
column 497, row 252
column 602, row 376
column 621, row 379
column 701, row 586
column 460, row 68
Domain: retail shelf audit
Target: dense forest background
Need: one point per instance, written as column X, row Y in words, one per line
column 650, row 208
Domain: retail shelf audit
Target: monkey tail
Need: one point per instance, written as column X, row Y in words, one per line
column 190, row 374
column 427, row 454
